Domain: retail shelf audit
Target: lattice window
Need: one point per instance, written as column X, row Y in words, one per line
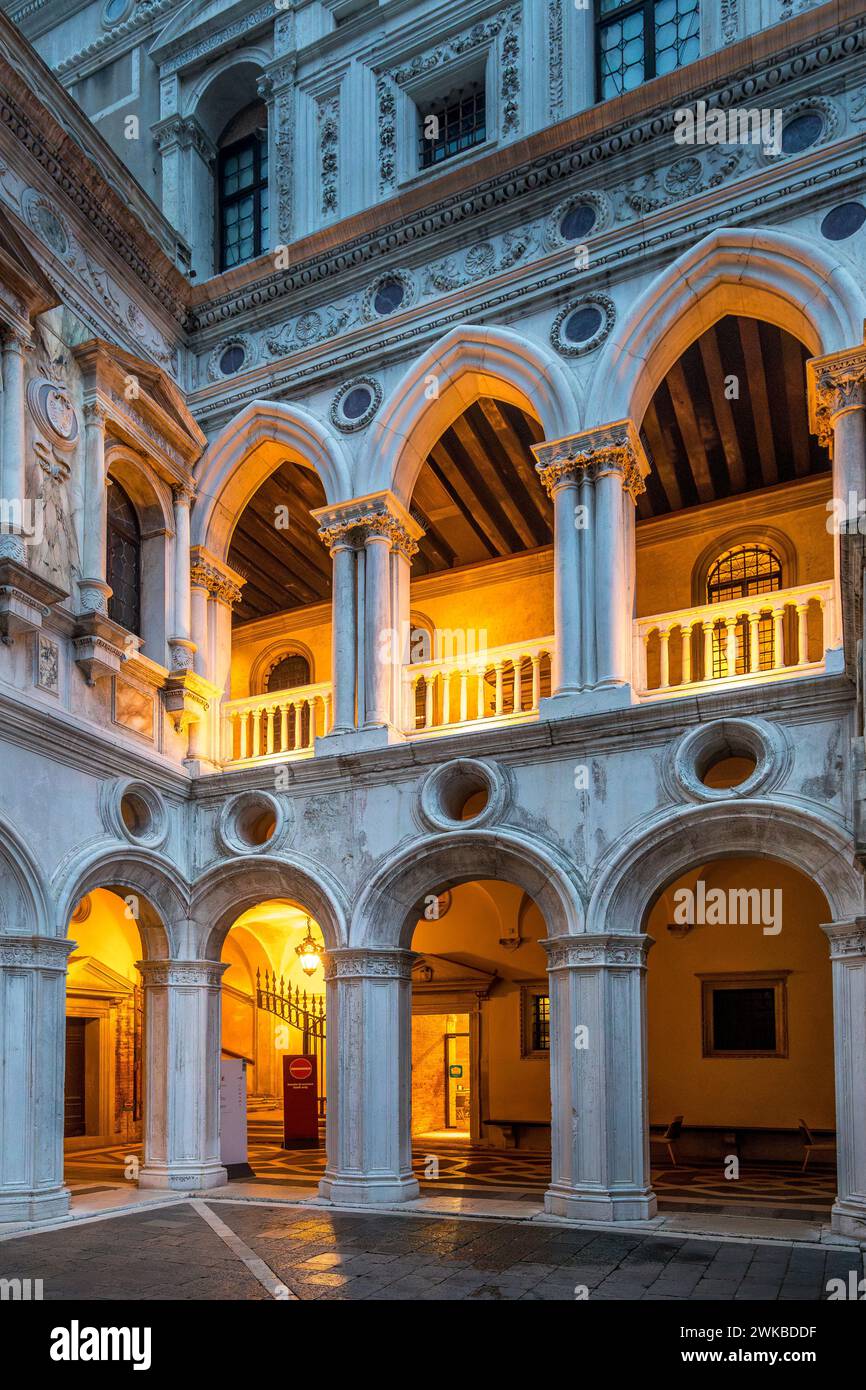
column 640, row 39
column 447, row 127
column 123, row 563
column 243, row 199
column 741, row 573
column 541, row 1023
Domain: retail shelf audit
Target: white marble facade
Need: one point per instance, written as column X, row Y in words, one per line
column 112, row 361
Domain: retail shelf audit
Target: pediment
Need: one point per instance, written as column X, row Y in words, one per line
column 25, row 290
column 201, row 20
column 153, row 418
column 89, row 975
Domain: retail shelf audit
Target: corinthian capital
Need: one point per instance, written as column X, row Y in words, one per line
column 836, row 383
column 377, row 515
column 608, row 448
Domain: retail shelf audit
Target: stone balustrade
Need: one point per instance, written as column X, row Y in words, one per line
column 283, row 723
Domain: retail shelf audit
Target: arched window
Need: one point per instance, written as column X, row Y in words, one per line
column 123, row 567
column 743, row 572
column 291, row 672
column 242, row 187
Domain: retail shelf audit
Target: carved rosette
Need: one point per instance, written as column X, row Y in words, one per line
column 369, row 963
column 835, row 384
column 588, row 952
column 35, row 952
column 200, row 974
column 612, row 448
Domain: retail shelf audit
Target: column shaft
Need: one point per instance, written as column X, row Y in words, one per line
column 600, row 1145
column 848, row 956
column 94, row 589
column 369, row 1008
column 13, row 482
column 344, row 637
column 379, row 637
column 566, row 588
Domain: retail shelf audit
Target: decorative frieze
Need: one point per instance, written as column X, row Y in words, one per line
column 35, row 952
column 328, row 133
column 610, row 448
column 847, row 939
column 347, row 963
column 187, row 973
column 353, row 523
column 588, row 952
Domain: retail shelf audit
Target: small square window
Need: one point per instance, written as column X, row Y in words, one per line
column 534, row 1020
column 452, row 124
column 744, row 1015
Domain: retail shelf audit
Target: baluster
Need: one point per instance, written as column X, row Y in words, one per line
column 311, row 732
column 446, row 696
column 229, row 737
column 326, row 713
column 707, row 636
column 257, row 732
column 284, row 727
column 464, row 695
column 731, row 645
column 479, row 694
column 245, row 721
column 664, row 658
column 687, row 653
column 753, row 656
column 822, row 604
column 499, row 669
column 802, row 634
column 778, row 637
column 270, row 715
column 428, row 700
column 536, row 681
column 517, row 668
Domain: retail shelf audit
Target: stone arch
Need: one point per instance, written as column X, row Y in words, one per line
column 154, row 880
column 151, row 498
column 469, row 362
column 235, row 465
column 386, row 912
column 222, row 894
column 25, row 897
column 271, row 655
column 776, row 276
column 224, row 88
column 771, row 536
column 668, row 845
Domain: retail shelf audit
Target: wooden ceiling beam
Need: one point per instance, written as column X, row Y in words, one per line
column 708, row 344
column 496, row 427
column 664, row 471
column 794, row 375
column 494, row 486
column 448, row 475
column 762, row 417
column 691, row 435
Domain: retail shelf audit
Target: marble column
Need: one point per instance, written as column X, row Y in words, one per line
column 13, row 481
column 188, row 163
column 32, row 1064
column 369, row 1009
column 182, row 1002
column 94, row 590
column 180, row 643
column 594, row 479
column 344, row 634
column 598, row 1075
column 848, row 958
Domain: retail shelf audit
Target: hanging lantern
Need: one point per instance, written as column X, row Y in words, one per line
column 309, row 952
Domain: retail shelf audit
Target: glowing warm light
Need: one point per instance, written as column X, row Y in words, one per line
column 309, row 952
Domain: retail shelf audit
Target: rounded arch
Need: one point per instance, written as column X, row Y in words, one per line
column 669, row 845
column 222, row 894
column 224, row 88
column 386, row 912
column 247, row 451
column 770, row 536
column 25, row 897
column 148, row 494
column 270, row 657
column 163, row 898
column 771, row 275
column 469, row 362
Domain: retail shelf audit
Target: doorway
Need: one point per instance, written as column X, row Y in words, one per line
column 457, row 1082
column 74, row 1114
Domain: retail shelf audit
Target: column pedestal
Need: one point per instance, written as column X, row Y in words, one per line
column 848, row 956
column 32, row 1065
column 369, row 1009
column 600, row 1167
column 182, row 1031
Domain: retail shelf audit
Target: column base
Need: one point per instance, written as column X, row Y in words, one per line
column 594, row 699
column 337, row 743
column 368, row 1191
column 849, row 1219
column 582, row 1204
column 52, row 1205
column 181, row 1177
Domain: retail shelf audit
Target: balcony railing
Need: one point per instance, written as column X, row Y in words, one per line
column 754, row 639
column 499, row 684
column 282, row 724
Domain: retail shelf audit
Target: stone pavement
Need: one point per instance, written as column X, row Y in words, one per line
column 170, row 1252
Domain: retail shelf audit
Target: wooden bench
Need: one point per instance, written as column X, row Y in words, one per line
column 510, row 1129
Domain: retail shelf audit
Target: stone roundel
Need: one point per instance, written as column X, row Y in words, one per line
column 567, row 347
column 253, row 822
column 134, row 811
column 749, row 738
column 337, row 412
column 446, row 789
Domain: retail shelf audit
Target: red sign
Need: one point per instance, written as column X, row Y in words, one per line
column 300, row 1103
